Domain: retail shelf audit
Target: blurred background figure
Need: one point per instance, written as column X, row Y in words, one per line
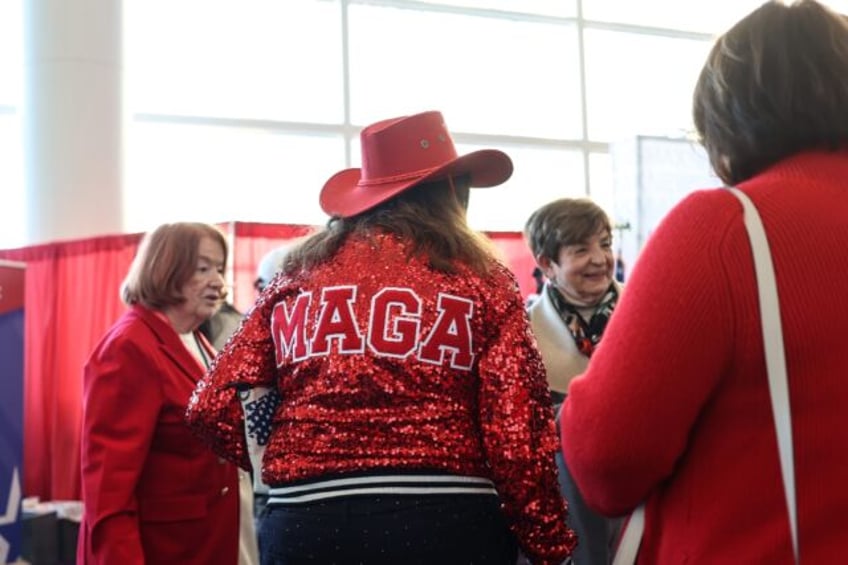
column 571, row 240
column 415, row 424
column 221, row 325
column 271, row 263
column 674, row 408
column 539, row 279
column 152, row 492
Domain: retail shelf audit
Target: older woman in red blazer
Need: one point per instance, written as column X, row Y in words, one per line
column 153, row 493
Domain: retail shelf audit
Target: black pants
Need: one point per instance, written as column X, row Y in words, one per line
column 463, row 529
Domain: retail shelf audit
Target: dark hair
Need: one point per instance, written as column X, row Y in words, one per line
column 165, row 261
column 565, row 221
column 431, row 216
column 775, row 84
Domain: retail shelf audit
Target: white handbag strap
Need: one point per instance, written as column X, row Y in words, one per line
column 628, row 547
column 775, row 359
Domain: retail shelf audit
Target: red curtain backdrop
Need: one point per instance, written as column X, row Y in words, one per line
column 249, row 243
column 72, row 298
column 517, row 256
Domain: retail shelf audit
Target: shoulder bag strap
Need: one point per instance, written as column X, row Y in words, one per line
column 631, row 538
column 775, row 359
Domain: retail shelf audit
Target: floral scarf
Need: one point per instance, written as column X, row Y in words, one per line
column 586, row 334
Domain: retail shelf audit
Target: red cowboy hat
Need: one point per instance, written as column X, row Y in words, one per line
column 400, row 153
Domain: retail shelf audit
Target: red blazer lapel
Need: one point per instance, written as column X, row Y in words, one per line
column 171, row 344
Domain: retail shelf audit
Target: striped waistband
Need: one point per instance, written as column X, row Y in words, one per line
column 380, row 484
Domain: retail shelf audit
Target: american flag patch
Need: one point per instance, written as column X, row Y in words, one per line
column 259, row 408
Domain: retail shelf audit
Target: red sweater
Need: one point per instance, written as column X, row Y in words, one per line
column 674, row 405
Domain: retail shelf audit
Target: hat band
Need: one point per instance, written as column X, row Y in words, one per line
column 396, row 178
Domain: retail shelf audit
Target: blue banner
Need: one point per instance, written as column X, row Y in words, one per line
column 11, row 408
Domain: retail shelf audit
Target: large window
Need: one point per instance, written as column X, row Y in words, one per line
column 222, row 173
column 246, row 59
column 487, row 74
column 707, row 17
column 637, row 83
column 541, row 175
column 542, row 7
column 241, row 109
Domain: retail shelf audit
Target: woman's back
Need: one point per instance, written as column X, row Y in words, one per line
column 414, row 423
column 704, row 447
column 394, row 353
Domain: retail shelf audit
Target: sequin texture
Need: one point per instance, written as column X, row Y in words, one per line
column 393, row 365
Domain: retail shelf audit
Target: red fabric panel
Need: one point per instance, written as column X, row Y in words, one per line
column 11, row 286
column 72, row 297
column 250, row 242
column 517, row 256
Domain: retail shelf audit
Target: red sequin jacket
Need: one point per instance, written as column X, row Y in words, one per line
column 383, row 363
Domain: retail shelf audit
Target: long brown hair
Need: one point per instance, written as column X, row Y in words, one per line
column 430, row 216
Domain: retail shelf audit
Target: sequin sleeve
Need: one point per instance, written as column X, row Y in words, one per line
column 520, row 437
column 214, row 411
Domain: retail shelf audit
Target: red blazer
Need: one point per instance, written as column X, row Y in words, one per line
column 153, row 493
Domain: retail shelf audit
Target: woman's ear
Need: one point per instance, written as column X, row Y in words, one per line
column 545, row 264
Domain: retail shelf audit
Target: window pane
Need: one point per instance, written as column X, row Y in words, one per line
column 840, row 6
column 669, row 169
column 183, row 172
column 540, row 175
column 11, row 52
column 261, row 59
column 12, row 204
column 487, row 75
column 601, row 188
column 708, row 17
column 563, row 8
column 640, row 83
column 652, row 174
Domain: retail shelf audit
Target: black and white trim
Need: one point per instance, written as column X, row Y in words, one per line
column 380, row 485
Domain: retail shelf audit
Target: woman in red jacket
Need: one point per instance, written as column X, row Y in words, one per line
column 414, row 423
column 674, row 409
column 153, row 493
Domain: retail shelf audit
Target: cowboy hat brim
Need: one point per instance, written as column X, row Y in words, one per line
column 343, row 195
